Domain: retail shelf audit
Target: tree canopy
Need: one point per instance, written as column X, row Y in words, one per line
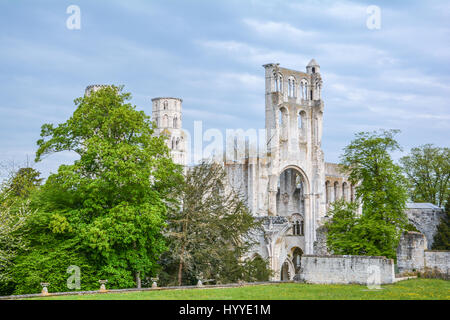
column 107, row 210
column 428, row 169
column 381, row 189
column 210, row 236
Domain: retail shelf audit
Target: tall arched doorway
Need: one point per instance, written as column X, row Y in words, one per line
column 296, row 259
column 285, row 272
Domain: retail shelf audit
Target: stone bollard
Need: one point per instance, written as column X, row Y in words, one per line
column 102, row 285
column 154, row 284
column 44, row 291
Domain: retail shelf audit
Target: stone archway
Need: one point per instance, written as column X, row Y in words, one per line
column 296, row 258
column 291, row 189
column 287, row 273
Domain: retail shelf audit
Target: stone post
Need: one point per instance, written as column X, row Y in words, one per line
column 102, row 285
column 154, row 284
column 44, row 291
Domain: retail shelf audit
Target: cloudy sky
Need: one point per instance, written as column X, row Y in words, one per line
column 210, row 54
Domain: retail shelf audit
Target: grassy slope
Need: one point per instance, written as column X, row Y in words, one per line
column 410, row 289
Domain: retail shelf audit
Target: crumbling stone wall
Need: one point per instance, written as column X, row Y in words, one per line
column 426, row 218
column 410, row 252
column 320, row 245
column 438, row 261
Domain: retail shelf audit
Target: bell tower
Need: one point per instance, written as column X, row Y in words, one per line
column 166, row 112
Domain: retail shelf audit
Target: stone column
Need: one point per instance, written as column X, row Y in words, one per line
column 308, row 225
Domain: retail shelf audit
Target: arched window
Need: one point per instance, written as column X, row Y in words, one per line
column 336, row 193
column 352, row 193
column 175, row 122
column 327, row 192
column 301, row 120
column 313, row 69
column 177, row 145
column 304, row 89
column 298, row 226
column 165, row 105
column 318, row 87
column 275, row 80
column 344, row 191
column 292, row 87
column 165, row 121
column 278, row 78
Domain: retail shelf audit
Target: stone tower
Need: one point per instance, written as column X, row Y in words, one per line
column 296, row 172
column 93, row 88
column 166, row 112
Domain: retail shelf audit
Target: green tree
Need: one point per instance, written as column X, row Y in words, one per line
column 23, row 182
column 212, row 233
column 13, row 218
column 428, row 169
column 14, row 212
column 110, row 205
column 381, row 189
column 442, row 237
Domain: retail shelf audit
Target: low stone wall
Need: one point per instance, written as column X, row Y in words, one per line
column 346, row 269
column 438, row 261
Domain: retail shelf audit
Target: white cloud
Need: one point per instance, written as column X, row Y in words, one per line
column 255, row 55
column 342, row 10
column 278, row 30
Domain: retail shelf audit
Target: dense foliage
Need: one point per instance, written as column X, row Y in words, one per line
column 442, row 237
column 428, row 169
column 14, row 212
column 212, row 233
column 105, row 212
column 381, row 189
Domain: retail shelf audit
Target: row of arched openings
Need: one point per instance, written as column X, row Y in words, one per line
column 298, row 228
column 165, row 121
column 166, row 105
column 283, row 120
column 293, row 87
column 339, row 191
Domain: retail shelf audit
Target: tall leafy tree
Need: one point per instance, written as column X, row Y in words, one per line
column 13, row 218
column 14, row 212
column 212, row 233
column 24, row 181
column 111, row 203
column 428, row 169
column 381, row 189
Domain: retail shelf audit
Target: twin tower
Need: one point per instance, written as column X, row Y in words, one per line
column 166, row 112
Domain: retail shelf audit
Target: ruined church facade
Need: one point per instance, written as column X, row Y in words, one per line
column 290, row 186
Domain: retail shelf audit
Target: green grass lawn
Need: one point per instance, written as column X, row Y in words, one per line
column 409, row 289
